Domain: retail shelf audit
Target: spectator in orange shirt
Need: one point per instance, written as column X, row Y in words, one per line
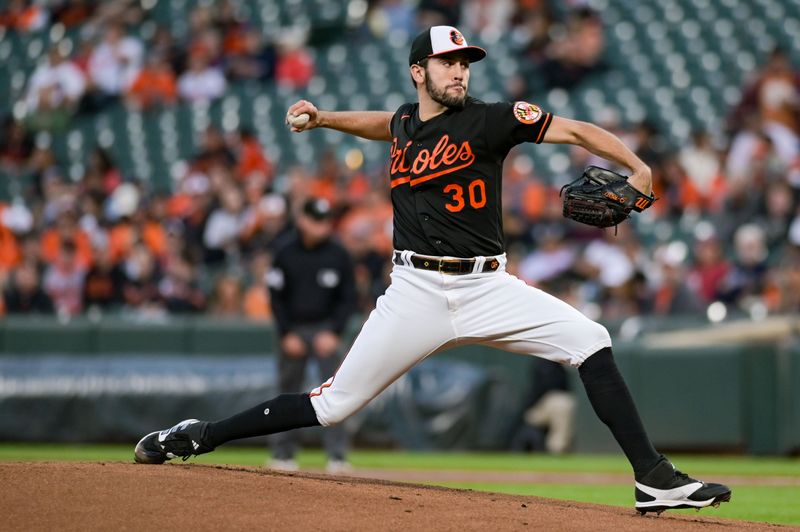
column 154, row 86
column 153, row 233
column 680, row 193
column 121, row 239
column 131, row 231
column 74, row 13
column 328, row 183
column 9, row 248
column 250, row 156
column 14, row 219
column 66, row 230
column 24, row 16
column 256, row 305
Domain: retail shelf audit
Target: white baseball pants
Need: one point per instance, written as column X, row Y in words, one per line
column 424, row 312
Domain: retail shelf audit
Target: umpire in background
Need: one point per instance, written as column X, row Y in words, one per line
column 313, row 295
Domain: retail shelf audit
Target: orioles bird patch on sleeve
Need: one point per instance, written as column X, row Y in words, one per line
column 527, row 113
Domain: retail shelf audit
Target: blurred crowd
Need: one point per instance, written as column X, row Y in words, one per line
column 104, row 243
column 108, row 62
column 726, row 227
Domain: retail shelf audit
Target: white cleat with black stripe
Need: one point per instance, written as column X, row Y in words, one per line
column 666, row 488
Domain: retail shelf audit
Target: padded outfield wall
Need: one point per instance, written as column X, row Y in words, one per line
column 110, row 379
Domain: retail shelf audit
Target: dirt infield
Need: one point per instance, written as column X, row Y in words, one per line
column 120, row 496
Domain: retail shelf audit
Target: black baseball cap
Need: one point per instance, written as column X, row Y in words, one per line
column 440, row 40
column 318, row 208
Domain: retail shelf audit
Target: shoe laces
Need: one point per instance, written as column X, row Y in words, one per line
column 179, row 445
column 683, row 476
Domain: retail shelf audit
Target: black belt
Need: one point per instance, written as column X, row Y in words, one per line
column 448, row 266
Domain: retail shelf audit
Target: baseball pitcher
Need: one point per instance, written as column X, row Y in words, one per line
column 449, row 286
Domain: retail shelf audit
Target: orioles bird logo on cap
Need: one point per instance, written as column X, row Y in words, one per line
column 456, row 37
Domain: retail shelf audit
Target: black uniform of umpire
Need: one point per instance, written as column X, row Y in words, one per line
column 313, row 296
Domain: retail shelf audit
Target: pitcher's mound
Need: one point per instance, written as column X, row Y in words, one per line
column 114, row 496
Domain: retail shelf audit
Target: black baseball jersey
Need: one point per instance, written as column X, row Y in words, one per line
column 446, row 174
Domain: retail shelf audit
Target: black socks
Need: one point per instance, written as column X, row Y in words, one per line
column 613, row 404
column 610, row 398
column 285, row 412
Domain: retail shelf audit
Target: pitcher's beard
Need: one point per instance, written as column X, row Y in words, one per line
column 442, row 98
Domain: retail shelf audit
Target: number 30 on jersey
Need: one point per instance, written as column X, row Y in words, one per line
column 475, row 194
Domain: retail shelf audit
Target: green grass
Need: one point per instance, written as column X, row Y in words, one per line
column 774, row 504
column 254, row 456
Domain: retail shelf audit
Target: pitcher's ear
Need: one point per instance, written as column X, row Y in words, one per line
column 417, row 74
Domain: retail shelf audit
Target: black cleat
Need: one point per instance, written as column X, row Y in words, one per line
column 666, row 488
column 185, row 439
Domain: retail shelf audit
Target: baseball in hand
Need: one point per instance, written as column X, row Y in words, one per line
column 297, row 121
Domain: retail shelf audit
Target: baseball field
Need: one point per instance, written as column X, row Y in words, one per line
column 98, row 487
